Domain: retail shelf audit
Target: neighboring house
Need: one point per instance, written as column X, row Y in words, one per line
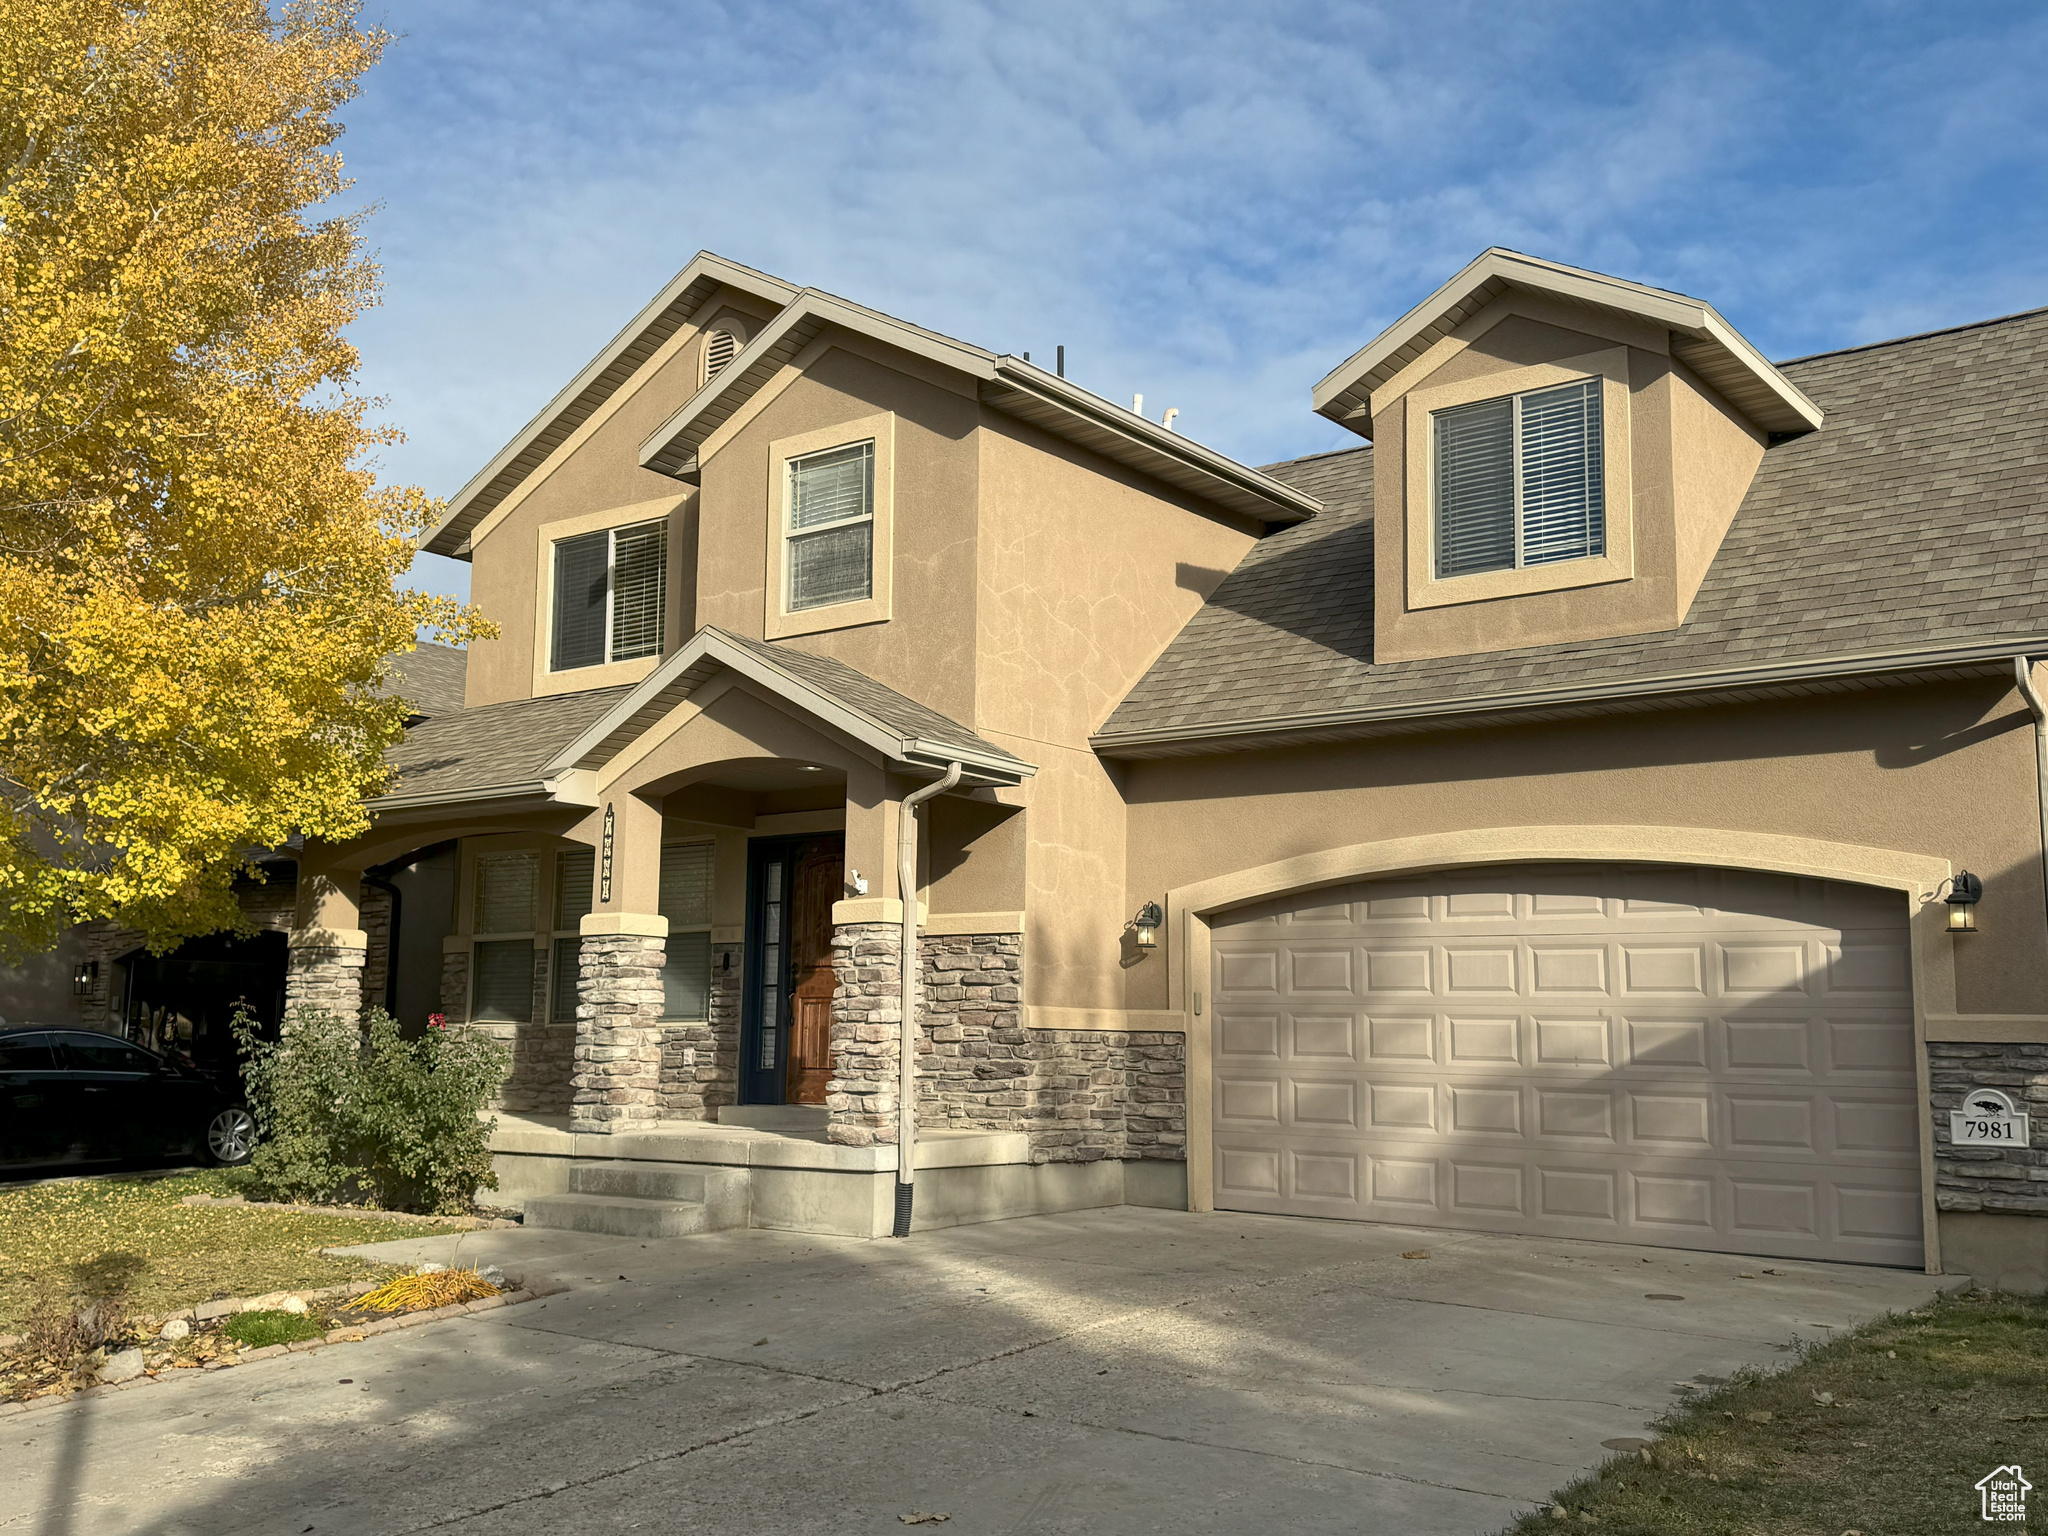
column 1548, row 819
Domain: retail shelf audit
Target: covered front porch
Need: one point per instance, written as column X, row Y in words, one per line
column 679, row 904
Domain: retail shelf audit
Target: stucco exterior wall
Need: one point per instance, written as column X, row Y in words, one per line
column 1945, row 771
column 926, row 648
column 1085, row 573
column 598, row 468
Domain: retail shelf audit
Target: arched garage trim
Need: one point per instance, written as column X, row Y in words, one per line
column 1192, row 908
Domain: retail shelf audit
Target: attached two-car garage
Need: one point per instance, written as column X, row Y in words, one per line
column 1694, row 1058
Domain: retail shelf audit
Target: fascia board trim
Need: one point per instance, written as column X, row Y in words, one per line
column 868, row 732
column 1058, row 393
column 810, row 304
column 703, row 264
column 1860, row 664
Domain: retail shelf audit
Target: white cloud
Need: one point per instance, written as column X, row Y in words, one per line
column 1210, row 203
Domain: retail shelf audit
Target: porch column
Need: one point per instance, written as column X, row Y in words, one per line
column 867, row 936
column 328, row 947
column 616, row 1080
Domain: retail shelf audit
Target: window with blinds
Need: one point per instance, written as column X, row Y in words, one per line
column 685, row 900
column 502, row 990
column 831, row 532
column 507, row 893
column 1519, row 481
column 611, row 596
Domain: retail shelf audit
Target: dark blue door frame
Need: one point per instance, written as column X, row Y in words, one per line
column 764, row 996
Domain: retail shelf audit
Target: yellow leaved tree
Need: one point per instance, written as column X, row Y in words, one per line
column 198, row 567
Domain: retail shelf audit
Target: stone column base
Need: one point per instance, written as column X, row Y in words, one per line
column 861, row 1098
column 616, row 1081
column 324, row 970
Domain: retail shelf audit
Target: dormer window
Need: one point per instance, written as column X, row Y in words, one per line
column 1519, row 481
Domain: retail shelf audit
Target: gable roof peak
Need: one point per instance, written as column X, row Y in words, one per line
column 680, row 300
column 1700, row 338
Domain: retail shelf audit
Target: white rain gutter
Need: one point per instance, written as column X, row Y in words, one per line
column 906, row 970
column 2023, row 674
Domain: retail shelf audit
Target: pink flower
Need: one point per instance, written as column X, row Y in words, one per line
column 437, row 1021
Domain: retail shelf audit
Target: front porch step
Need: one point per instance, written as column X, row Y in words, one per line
column 774, row 1117
column 645, row 1200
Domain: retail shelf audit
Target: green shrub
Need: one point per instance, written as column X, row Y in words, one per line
column 368, row 1115
column 255, row 1330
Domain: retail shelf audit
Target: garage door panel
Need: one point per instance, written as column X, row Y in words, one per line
column 1570, row 1042
column 1402, row 1038
column 1485, row 1042
column 1395, row 972
column 1768, row 1044
column 1241, row 1034
column 1662, row 970
column 1490, row 968
column 1666, row 1043
column 1315, row 1037
column 1617, row 1053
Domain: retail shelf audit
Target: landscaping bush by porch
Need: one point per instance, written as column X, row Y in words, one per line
column 368, row 1115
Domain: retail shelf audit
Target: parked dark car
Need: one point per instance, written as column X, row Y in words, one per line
column 75, row 1096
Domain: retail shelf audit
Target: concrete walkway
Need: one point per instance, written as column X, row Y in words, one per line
column 1108, row 1371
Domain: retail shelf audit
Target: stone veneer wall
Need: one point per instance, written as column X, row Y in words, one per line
column 694, row 1090
column 1081, row 1095
column 543, row 1050
column 375, row 920
column 2012, row 1180
column 617, row 1074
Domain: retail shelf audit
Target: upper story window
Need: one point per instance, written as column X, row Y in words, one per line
column 611, row 596
column 831, row 527
column 1519, row 481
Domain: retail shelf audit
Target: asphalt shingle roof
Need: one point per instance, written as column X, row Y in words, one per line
column 879, row 702
column 493, row 744
column 431, row 677
column 1913, row 517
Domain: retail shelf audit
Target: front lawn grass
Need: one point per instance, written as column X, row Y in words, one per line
column 1883, row 1431
column 127, row 1236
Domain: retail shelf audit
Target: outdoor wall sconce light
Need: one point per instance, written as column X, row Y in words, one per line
column 83, row 975
column 1964, row 892
column 1147, row 925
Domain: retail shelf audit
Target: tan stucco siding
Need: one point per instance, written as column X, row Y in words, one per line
column 596, row 470
column 926, row 647
column 1943, row 771
column 1086, row 573
column 1714, row 456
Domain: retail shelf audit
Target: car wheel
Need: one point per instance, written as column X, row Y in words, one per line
column 231, row 1137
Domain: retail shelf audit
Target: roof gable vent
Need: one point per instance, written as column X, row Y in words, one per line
column 719, row 348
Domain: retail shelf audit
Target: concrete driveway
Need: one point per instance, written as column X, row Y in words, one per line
column 1109, row 1371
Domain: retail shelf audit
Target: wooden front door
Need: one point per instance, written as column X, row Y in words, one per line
column 816, row 882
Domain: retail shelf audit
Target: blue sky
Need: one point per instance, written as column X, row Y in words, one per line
column 1209, row 203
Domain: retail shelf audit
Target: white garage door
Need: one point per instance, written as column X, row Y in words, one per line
column 1689, row 1058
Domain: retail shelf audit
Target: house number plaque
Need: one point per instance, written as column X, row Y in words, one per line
column 1988, row 1118
column 604, row 862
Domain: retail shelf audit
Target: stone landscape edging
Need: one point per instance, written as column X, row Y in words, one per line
column 352, row 1333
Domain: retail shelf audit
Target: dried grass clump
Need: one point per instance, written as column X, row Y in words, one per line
column 440, row 1288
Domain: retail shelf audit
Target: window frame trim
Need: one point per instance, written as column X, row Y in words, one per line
column 546, row 680
column 1425, row 589
column 780, row 621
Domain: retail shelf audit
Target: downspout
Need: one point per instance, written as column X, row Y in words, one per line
column 906, row 970
column 2023, row 675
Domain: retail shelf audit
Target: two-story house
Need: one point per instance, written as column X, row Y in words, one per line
column 1608, row 805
